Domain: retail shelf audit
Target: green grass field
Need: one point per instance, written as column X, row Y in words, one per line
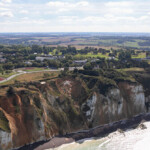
column 140, row 55
column 33, row 69
column 131, row 69
column 92, row 55
column 6, row 75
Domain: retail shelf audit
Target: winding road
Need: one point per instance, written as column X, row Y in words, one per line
column 25, row 72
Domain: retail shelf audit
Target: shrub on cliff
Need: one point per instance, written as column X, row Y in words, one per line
column 148, row 70
column 11, row 91
column 89, row 72
column 117, row 75
column 4, row 124
column 104, row 84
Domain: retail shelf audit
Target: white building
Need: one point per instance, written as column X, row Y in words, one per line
column 45, row 58
column 80, row 62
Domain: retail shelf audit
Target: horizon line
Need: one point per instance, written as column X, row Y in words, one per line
column 75, row 32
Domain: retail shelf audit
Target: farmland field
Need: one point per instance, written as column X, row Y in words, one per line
column 140, row 55
column 141, row 42
column 92, row 55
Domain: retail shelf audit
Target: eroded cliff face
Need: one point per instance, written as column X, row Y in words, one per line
column 40, row 111
column 24, row 123
column 125, row 101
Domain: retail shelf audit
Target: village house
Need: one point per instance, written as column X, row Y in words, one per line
column 80, row 62
column 44, row 58
column 49, row 57
column 28, row 63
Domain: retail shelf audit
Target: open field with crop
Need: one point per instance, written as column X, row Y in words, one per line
column 88, row 55
column 135, row 69
column 140, row 55
column 79, row 39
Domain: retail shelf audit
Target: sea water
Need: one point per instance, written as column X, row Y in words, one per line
column 133, row 139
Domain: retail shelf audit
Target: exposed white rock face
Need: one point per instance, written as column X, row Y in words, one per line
column 90, row 104
column 115, row 100
column 51, row 99
column 109, row 107
column 67, row 83
column 126, row 101
column 5, row 140
column 41, row 130
column 138, row 98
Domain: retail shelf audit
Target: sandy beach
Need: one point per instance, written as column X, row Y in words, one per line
column 55, row 142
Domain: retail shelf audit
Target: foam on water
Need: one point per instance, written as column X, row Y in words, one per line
column 136, row 139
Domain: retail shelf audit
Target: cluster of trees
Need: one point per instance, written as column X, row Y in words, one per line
column 68, row 50
column 125, row 61
column 17, row 55
column 25, row 50
column 148, row 54
column 1, row 69
column 124, row 55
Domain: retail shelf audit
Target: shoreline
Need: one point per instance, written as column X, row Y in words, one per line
column 99, row 131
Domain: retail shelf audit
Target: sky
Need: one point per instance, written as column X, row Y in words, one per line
column 74, row 15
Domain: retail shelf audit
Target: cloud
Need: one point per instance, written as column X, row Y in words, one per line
column 82, row 3
column 24, row 11
column 57, row 4
column 6, row 14
column 119, row 11
column 6, row 1
column 25, row 18
column 80, row 15
column 69, row 19
column 60, row 7
column 124, row 7
column 68, row 5
column 1, row 4
column 4, row 9
column 119, row 4
column 144, row 18
column 106, row 20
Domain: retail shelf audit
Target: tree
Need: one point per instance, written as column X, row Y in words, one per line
column 8, row 66
column 66, row 69
column 11, row 91
column 124, row 55
column 37, row 49
column 1, row 69
column 88, row 66
column 75, row 70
